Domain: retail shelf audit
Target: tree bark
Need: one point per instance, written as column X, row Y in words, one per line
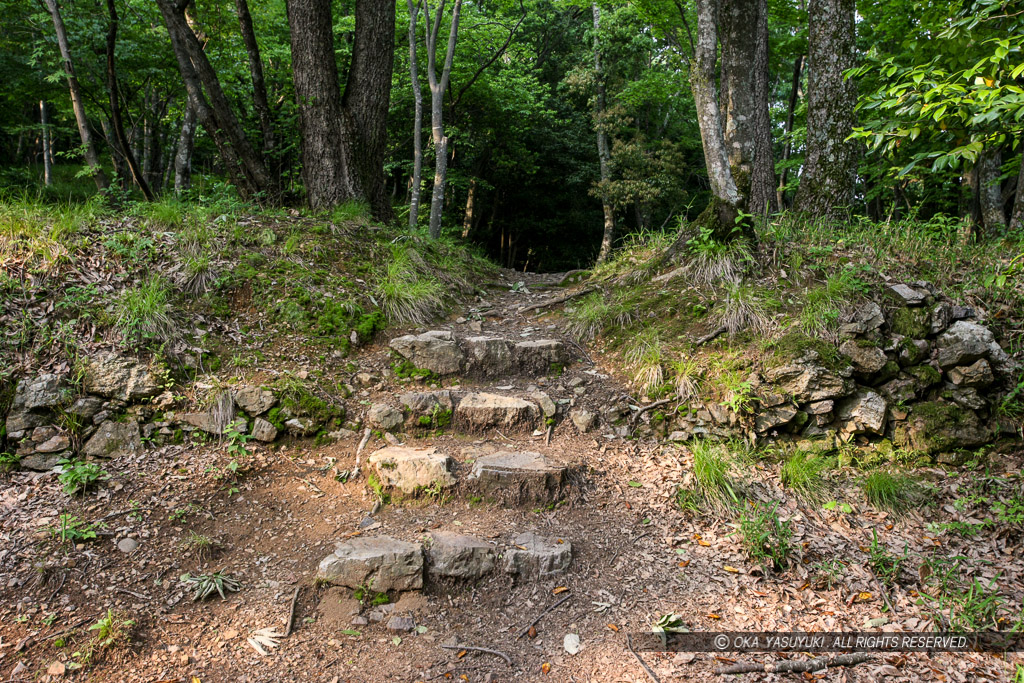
column 603, row 149
column 438, row 86
column 762, row 184
column 417, row 126
column 91, row 158
column 183, row 156
column 47, row 162
column 115, row 105
column 344, row 138
column 215, row 115
column 794, row 96
column 1017, row 213
column 259, row 88
column 830, row 167
column 469, row 216
column 990, row 191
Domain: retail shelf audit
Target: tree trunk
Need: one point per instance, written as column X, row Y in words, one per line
column 183, row 156
column 1017, row 213
column 344, row 139
column 468, row 217
column 990, row 191
column 794, row 96
column 115, row 105
column 91, row 158
column 438, row 86
column 240, row 160
column 762, row 184
column 830, row 167
column 47, row 164
column 259, row 88
column 603, row 150
column 727, row 202
column 417, row 126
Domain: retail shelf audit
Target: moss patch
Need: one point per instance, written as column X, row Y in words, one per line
column 911, row 322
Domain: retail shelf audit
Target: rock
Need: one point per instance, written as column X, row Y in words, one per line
column 86, row 407
column 583, row 419
column 539, row 357
column 477, row 412
column 518, row 477
column 254, row 400
column 866, row 357
column 963, row 313
column 412, row 469
column 55, row 443
column 19, row 424
column 262, row 430
column 808, row 382
column 127, row 545
column 360, row 621
column 939, row 426
column 458, row 557
column 385, row 417
column 382, row 562
column 908, row 296
column 820, row 407
column 774, row 418
column 900, row 390
column 547, row 406
column 489, row 356
column 427, row 403
column 113, row 438
column 912, row 351
column 966, row 342
column 40, row 462
column 978, row 374
column 571, row 643
column 217, row 419
column 942, row 316
column 435, row 351
column 115, row 376
column 864, row 412
column 301, row 426
column 44, row 391
column 537, row 557
column 869, row 316
column 401, row 624
column 679, row 435
column 967, row 397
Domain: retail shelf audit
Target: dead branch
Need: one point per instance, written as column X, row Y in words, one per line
column 291, row 613
column 541, row 616
column 649, row 406
column 647, row 669
column 508, row 660
column 712, row 336
column 557, row 299
column 796, row 665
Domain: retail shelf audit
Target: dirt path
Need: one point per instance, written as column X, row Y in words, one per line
column 635, row 556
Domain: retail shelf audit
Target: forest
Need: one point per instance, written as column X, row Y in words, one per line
column 483, row 340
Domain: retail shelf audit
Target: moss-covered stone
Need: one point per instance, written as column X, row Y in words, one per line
column 926, row 374
column 911, row 322
column 940, row 427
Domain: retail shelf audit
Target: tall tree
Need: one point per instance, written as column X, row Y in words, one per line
column 186, row 145
column 343, row 137
column 91, row 158
column 830, row 166
column 47, row 155
column 416, row 189
column 115, row 105
column 259, row 88
column 990, row 194
column 438, row 87
column 603, row 148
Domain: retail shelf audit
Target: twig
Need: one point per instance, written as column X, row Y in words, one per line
column 291, row 613
column 650, row 673
column 713, row 335
column 541, row 616
column 796, row 665
column 508, row 660
column 557, row 299
column 633, row 542
column 362, row 444
column 885, row 593
column 458, row 668
column 140, row 596
column 123, row 512
column 547, row 437
column 650, row 406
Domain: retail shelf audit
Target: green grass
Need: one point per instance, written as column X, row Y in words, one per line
column 142, row 314
column 407, row 295
column 590, row 315
column 892, row 492
column 709, row 261
column 885, row 564
column 765, row 537
column 745, row 307
column 644, row 356
column 710, row 488
column 802, row 472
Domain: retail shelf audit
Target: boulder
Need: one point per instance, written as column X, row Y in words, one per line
column 583, row 419
column 537, row 557
column 458, row 557
column 40, row 462
column 773, row 418
column 254, row 400
column 939, row 427
column 488, row 356
column 86, row 407
column 477, row 412
column 19, row 424
column 435, row 351
column 966, row 342
column 262, row 430
column 44, row 391
column 55, row 444
column 221, row 415
column 115, row 376
column 900, row 390
column 547, row 406
column 385, row 417
column 518, row 477
column 539, row 357
column 977, row 374
column 966, row 397
column 866, row 357
column 382, row 563
column 908, row 296
column 865, row 411
column 113, row 438
column 412, row 469
column 808, row 382
column 427, row 402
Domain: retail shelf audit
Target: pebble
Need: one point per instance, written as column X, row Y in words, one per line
column 127, row 545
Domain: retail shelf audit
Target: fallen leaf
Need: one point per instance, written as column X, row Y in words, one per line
column 571, row 643
column 229, row 634
column 460, row 655
column 560, row 589
column 731, row 569
column 684, row 564
column 545, row 667
column 56, row 669
column 864, row 596
column 613, row 627
column 532, row 632
column 713, row 616
column 701, row 541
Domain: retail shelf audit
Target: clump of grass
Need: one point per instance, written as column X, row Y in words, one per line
column 589, row 316
column 744, row 307
column 824, row 303
column 765, row 537
column 408, row 296
column 142, row 313
column 892, row 492
column 686, row 378
column 709, row 484
column 644, row 355
column 166, row 214
column 709, row 261
column 802, row 472
column 199, row 545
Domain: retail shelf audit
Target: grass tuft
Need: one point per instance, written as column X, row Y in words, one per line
column 142, row 314
column 892, row 492
column 408, row 296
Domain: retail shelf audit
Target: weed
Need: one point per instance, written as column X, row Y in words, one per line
column 644, row 356
column 892, row 492
column 827, row 573
column 237, row 440
column 765, row 537
column 364, row 593
column 744, row 307
column 71, row 529
column 77, row 477
column 9, row 462
column 408, row 296
column 142, row 314
column 199, row 545
column 205, row 585
column 589, row 316
column 111, row 629
column 686, row 378
column 379, row 492
column 885, row 565
column 710, row 261
column 709, row 479
column 802, row 473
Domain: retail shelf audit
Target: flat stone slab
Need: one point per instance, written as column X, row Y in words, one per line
column 518, row 477
column 538, row 357
column 537, row 557
column 477, row 412
column 435, row 351
column 382, row 563
column 412, row 469
column 458, row 557
column 488, row 356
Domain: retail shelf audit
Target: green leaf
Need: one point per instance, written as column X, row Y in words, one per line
column 351, row 632
column 635, row 484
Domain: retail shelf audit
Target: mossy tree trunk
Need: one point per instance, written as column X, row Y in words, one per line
column 603, row 148
column 990, row 193
column 1017, row 213
column 830, row 167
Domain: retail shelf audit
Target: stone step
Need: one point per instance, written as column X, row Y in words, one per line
column 441, row 352
column 518, row 477
column 478, row 412
column 382, row 563
column 413, row 469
